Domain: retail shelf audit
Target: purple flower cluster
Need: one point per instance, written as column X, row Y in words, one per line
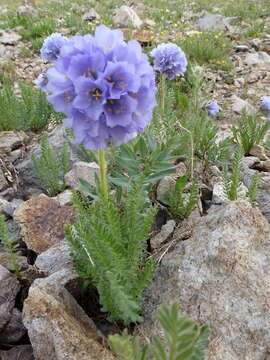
column 51, row 47
column 265, row 106
column 212, row 108
column 169, row 59
column 105, row 87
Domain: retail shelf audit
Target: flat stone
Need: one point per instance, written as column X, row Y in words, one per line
column 241, row 48
column 42, row 221
column 9, row 37
column 9, row 288
column 57, row 326
column 163, row 235
column 55, row 258
column 10, row 140
column 220, row 277
column 125, row 16
column 91, row 15
column 258, row 58
column 239, row 105
column 81, row 170
column 214, row 22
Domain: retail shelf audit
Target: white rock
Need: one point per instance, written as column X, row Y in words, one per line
column 214, row 22
column 259, row 58
column 91, row 15
column 81, row 170
column 125, row 16
column 239, row 105
column 9, row 37
column 64, row 198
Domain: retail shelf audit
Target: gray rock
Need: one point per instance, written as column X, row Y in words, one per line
column 214, row 22
column 241, row 48
column 259, row 152
column 263, row 192
column 20, row 352
column 9, row 37
column 41, row 221
column 55, row 258
column 9, row 288
column 125, row 16
column 165, row 186
column 9, row 207
column 221, row 276
column 81, row 170
column 10, row 140
column 3, row 181
column 220, row 197
column 2, row 50
column 57, row 326
column 91, row 15
column 57, row 137
column 163, row 235
column 148, row 23
column 14, row 329
column 258, row 58
column 239, row 105
column 64, row 198
column 26, row 11
column 3, row 204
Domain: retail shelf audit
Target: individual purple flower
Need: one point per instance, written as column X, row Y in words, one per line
column 212, row 108
column 104, row 86
column 265, row 106
column 169, row 59
column 51, row 47
column 42, row 81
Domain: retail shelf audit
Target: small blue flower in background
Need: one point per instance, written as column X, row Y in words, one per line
column 104, row 86
column 169, row 59
column 51, row 47
column 265, row 106
column 212, row 108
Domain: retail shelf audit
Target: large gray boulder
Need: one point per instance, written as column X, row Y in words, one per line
column 221, row 276
column 58, row 327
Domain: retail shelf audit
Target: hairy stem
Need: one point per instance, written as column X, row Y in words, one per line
column 103, row 175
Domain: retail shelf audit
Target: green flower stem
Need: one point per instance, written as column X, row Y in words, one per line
column 103, row 175
column 191, row 148
column 162, row 93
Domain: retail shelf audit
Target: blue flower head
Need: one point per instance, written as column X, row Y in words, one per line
column 51, row 47
column 265, row 106
column 169, row 59
column 104, row 86
column 212, row 108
